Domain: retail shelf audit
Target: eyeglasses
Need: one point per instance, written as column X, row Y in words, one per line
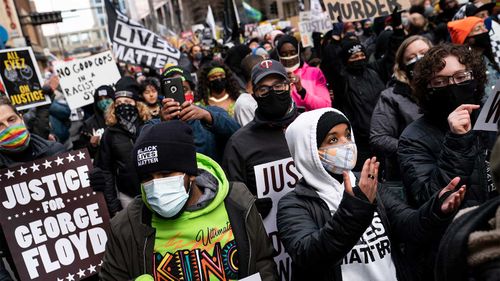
column 459, row 78
column 278, row 88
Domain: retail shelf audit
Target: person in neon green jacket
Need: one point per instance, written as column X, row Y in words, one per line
column 190, row 221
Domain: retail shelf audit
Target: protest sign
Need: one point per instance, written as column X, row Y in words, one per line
column 135, row 44
column 54, row 224
column 79, row 78
column 274, row 180
column 490, row 112
column 264, row 29
column 321, row 24
column 21, row 78
column 356, row 10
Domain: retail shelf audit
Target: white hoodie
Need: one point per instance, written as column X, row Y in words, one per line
column 370, row 259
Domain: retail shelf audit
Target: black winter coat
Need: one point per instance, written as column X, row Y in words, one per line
column 317, row 241
column 431, row 156
column 394, row 111
column 115, row 159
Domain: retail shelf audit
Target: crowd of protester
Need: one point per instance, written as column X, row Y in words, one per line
column 377, row 116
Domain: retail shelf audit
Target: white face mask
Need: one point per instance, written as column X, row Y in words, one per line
column 166, row 196
column 338, row 158
column 290, row 63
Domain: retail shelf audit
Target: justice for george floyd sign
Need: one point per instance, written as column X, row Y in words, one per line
column 274, row 180
column 356, row 10
column 54, row 224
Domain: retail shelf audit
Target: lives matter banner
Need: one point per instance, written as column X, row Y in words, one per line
column 274, row 180
column 21, row 78
column 79, row 78
column 135, row 44
column 54, row 224
column 356, row 10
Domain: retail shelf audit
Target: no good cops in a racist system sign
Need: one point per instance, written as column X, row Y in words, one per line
column 55, row 225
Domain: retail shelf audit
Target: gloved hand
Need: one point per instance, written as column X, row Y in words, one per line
column 264, row 206
column 97, row 180
column 396, row 18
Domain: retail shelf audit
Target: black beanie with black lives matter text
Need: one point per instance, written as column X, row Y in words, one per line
column 165, row 147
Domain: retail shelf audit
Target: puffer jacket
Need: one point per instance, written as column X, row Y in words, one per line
column 394, row 111
column 130, row 246
column 431, row 156
column 318, row 242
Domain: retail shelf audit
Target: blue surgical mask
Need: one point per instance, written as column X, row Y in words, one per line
column 166, row 196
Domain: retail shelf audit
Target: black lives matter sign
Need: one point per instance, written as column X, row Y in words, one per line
column 55, row 225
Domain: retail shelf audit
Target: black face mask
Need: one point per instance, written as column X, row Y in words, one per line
column 409, row 70
column 126, row 112
column 482, row 41
column 218, row 85
column 356, row 67
column 442, row 101
column 274, row 106
column 367, row 31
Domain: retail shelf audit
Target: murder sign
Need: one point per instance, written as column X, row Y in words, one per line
column 79, row 78
column 54, row 224
column 134, row 44
column 356, row 10
column 274, row 180
column 490, row 112
column 21, row 78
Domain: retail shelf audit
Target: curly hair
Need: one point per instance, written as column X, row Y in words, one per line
column 433, row 62
column 142, row 108
column 203, row 93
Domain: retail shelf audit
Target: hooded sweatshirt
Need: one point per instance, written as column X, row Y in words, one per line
column 358, row 264
column 201, row 234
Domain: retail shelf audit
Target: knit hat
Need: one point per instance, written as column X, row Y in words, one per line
column 104, row 91
column 127, row 87
column 175, row 70
column 350, row 47
column 168, row 147
column 460, row 29
column 287, row 39
column 326, row 122
column 471, row 9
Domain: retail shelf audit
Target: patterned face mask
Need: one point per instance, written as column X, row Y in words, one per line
column 14, row 138
column 338, row 158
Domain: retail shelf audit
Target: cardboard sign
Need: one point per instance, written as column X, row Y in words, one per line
column 274, row 180
column 21, row 77
column 54, row 224
column 356, row 10
column 306, row 28
column 79, row 78
column 490, row 112
column 137, row 45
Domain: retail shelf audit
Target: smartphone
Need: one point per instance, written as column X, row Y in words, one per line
column 172, row 88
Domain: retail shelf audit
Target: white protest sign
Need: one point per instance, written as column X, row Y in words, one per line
column 264, row 29
column 253, row 277
column 490, row 112
column 356, row 10
column 284, row 24
column 321, row 24
column 274, row 180
column 79, row 78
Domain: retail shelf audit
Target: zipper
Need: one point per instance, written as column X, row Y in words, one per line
column 144, row 253
column 249, row 241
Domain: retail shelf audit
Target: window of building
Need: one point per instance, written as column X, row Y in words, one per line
column 102, row 21
column 99, row 10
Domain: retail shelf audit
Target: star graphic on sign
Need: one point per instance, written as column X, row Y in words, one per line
column 100, row 264
column 35, row 167
column 70, row 277
column 59, row 279
column 81, row 273
column 24, row 213
column 22, row 171
column 47, row 164
column 70, row 158
column 81, row 155
column 91, row 268
column 9, row 174
column 59, row 161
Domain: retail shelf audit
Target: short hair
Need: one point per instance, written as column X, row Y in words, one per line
column 4, row 100
column 399, row 64
column 433, row 62
column 247, row 65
